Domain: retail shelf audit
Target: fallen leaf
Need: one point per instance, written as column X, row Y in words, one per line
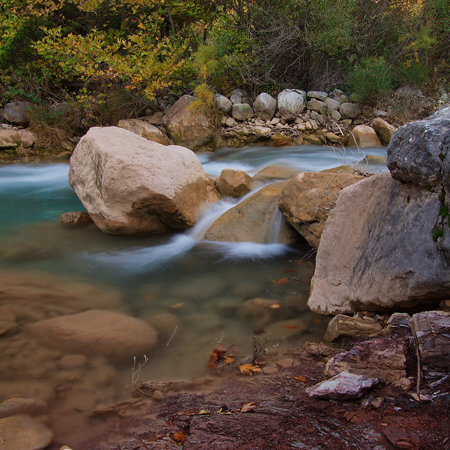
column 249, row 369
column 300, row 378
column 275, row 306
column 177, row 305
column 248, row 407
column 179, row 436
column 290, row 327
column 280, row 281
column 228, row 360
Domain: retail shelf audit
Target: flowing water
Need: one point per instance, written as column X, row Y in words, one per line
column 172, row 280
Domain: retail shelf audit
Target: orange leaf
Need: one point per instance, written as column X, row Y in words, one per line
column 275, row 306
column 228, row 360
column 248, row 407
column 179, row 436
column 300, row 378
column 249, row 369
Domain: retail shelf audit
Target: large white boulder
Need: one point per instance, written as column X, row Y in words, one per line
column 130, row 185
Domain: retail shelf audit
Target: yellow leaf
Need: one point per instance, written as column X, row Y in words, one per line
column 249, row 369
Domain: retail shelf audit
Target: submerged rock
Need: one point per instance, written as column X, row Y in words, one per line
column 24, row 433
column 75, row 219
column 97, row 333
column 130, row 185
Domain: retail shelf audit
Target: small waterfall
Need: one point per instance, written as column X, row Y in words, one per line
column 277, row 225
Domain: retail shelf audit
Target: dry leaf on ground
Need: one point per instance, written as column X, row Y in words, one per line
column 249, row 369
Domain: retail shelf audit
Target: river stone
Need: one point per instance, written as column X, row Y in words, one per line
column 343, row 326
column 343, row 386
column 317, row 106
column 261, row 311
column 382, row 358
column 24, row 433
column 223, row 103
column 27, row 406
column 308, row 198
column 319, row 95
column 383, row 129
column 16, row 113
column 130, row 185
column 336, row 115
column 363, row 136
column 234, row 183
column 366, row 260
column 97, row 333
column 144, row 129
column 332, row 105
column 75, row 219
column 265, row 106
column 275, row 173
column 416, row 149
column 9, row 139
column 237, row 96
column 432, row 329
column 255, row 219
column 242, row 111
column 291, row 102
column 188, row 126
column 350, row 110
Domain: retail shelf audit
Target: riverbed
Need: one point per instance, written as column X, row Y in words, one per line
column 177, row 282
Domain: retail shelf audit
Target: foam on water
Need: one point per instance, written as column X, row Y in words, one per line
column 246, row 250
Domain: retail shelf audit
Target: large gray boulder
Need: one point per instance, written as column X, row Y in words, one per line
column 418, row 151
column 130, row 185
column 291, row 102
column 265, row 106
column 377, row 250
column 242, row 111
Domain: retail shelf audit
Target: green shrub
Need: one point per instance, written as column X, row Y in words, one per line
column 370, row 80
column 412, row 74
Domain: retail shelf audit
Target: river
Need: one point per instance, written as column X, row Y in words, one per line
column 172, row 280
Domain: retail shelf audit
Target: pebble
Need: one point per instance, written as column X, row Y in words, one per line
column 285, row 363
